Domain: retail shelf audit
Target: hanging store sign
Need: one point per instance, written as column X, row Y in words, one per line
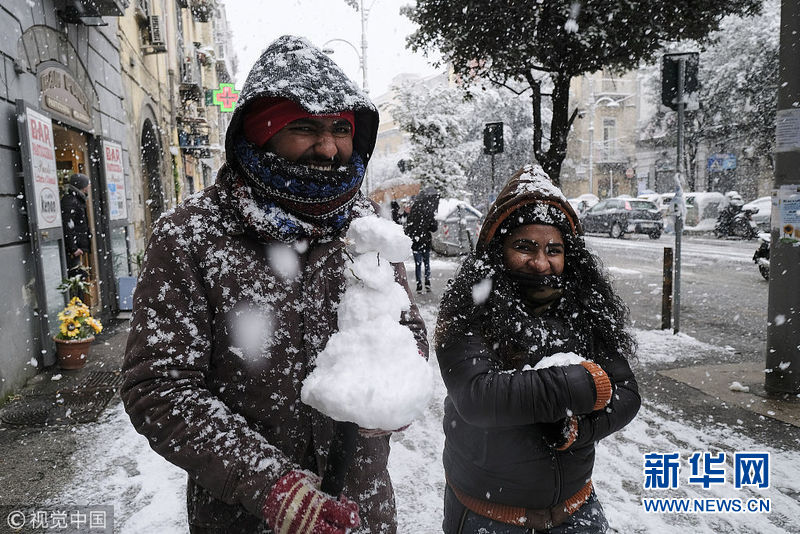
column 40, row 152
column 226, row 97
column 62, row 95
column 115, row 180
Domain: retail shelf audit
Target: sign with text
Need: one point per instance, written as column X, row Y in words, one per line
column 42, row 156
column 115, row 180
column 721, row 162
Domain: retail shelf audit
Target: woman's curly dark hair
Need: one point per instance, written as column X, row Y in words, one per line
column 588, row 299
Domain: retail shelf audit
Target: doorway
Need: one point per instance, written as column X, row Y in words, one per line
column 151, row 169
column 72, row 157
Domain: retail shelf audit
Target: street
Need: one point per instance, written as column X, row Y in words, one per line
column 723, row 297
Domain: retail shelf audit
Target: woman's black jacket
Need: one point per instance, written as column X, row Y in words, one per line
column 496, row 419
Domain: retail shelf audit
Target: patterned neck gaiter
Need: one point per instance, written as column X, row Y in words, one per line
column 288, row 201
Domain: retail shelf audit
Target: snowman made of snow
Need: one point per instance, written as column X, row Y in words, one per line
column 371, row 372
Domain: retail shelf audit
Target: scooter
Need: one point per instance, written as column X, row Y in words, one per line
column 737, row 222
column 761, row 257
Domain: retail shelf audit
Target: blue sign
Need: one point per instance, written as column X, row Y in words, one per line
column 721, row 162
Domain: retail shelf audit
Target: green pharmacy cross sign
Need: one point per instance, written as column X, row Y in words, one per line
column 226, row 97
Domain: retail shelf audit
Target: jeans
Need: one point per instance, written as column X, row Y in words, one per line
column 423, row 256
column 588, row 519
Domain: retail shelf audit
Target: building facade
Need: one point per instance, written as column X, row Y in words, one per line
column 119, row 90
column 601, row 147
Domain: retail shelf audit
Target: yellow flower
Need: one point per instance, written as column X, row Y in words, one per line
column 76, row 302
column 67, row 314
column 95, row 324
column 82, row 311
column 70, row 328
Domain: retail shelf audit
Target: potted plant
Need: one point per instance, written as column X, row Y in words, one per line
column 75, row 286
column 75, row 334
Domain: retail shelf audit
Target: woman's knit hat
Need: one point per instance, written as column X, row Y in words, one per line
column 529, row 197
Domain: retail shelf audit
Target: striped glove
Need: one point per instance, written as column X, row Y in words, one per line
column 295, row 505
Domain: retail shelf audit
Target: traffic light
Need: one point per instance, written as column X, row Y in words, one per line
column 669, row 77
column 493, row 138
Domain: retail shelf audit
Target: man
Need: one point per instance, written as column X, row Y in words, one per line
column 421, row 223
column 237, row 295
column 75, row 222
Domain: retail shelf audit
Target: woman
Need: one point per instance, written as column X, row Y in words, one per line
column 519, row 447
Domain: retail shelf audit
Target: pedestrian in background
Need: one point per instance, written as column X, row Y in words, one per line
column 75, row 222
column 238, row 294
column 533, row 350
column 419, row 226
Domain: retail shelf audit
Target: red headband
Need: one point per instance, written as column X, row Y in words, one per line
column 266, row 116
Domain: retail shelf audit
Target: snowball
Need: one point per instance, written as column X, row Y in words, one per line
column 252, row 332
column 284, row 261
column 371, row 375
column 374, row 234
column 737, row 386
column 481, row 291
column 559, row 359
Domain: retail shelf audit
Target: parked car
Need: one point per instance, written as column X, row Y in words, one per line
column 702, row 210
column 763, row 215
column 583, row 202
column 618, row 216
column 459, row 225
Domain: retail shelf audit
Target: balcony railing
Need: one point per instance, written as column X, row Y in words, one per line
column 609, row 152
column 195, row 144
column 191, row 78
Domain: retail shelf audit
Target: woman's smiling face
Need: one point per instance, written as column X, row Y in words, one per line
column 534, row 249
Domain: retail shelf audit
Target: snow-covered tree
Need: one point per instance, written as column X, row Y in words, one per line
column 738, row 78
column 433, row 117
column 544, row 44
column 445, row 129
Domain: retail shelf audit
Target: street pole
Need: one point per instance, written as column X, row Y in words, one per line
column 610, row 182
column 676, row 309
column 364, row 16
column 491, row 194
column 782, row 373
column 591, row 135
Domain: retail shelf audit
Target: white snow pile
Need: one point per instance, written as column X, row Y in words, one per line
column 737, row 386
column 559, row 359
column 371, row 372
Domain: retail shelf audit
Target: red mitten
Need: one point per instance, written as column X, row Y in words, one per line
column 295, row 505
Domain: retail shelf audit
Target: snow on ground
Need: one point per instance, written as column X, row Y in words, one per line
column 621, row 271
column 117, row 466
column 662, row 346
